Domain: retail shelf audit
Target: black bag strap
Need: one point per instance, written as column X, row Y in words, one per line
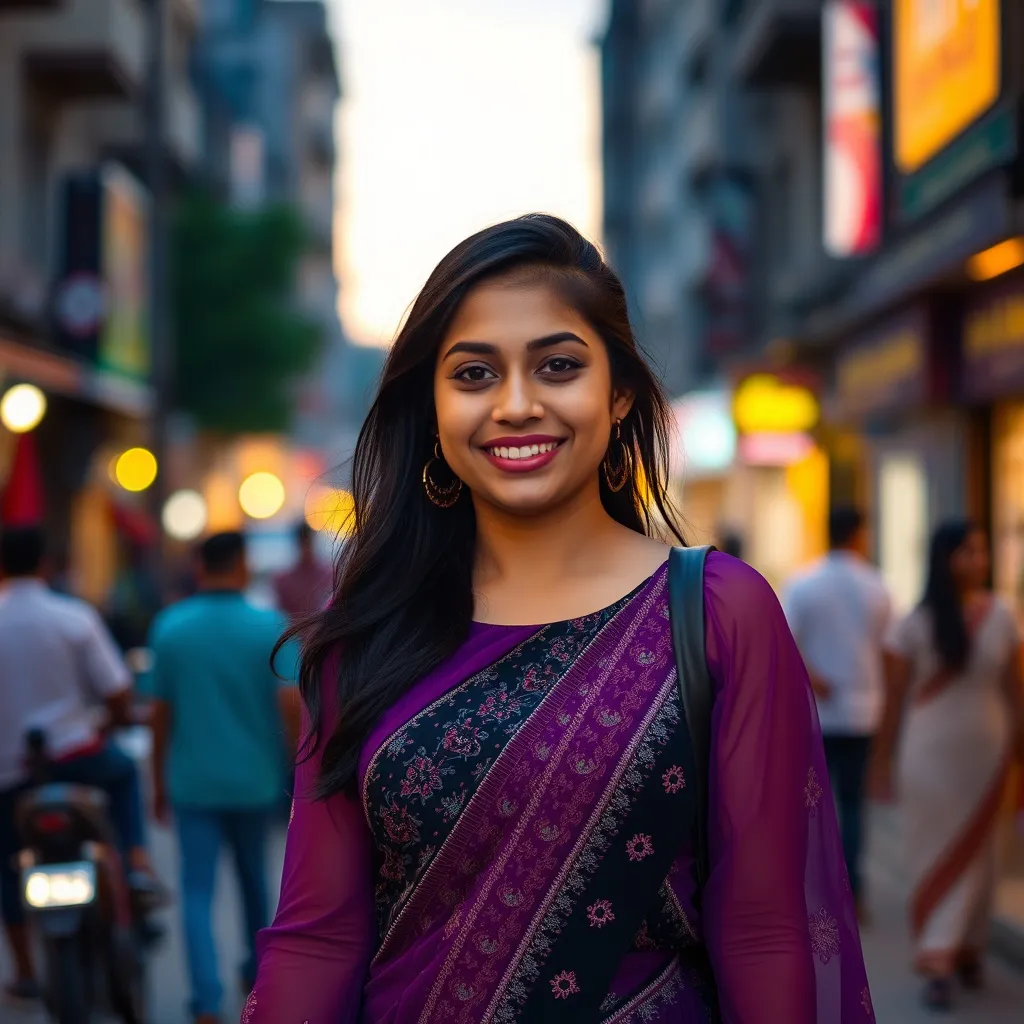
column 686, row 612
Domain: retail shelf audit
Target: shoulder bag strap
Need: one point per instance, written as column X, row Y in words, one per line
column 686, row 611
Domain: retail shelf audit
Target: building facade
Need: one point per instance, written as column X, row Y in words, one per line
column 74, row 251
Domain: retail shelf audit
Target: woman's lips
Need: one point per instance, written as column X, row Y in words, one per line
column 522, row 454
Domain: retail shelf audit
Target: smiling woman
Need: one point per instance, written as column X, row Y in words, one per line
column 492, row 814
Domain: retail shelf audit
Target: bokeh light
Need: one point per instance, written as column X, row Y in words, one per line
column 22, row 408
column 136, row 469
column 184, row 515
column 261, row 495
column 330, row 510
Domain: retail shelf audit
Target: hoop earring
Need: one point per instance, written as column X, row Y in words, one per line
column 442, row 495
column 616, row 476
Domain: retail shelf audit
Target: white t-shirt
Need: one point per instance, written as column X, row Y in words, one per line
column 840, row 611
column 57, row 662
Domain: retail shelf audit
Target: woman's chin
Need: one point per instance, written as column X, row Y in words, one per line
column 522, row 499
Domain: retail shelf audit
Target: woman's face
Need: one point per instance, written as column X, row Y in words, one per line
column 524, row 400
column 970, row 562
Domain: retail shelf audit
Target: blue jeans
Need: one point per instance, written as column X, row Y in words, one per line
column 200, row 835
column 113, row 771
column 847, row 758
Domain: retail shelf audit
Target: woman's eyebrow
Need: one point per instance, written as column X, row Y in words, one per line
column 486, row 348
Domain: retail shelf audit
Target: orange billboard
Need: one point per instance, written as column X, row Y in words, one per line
column 946, row 74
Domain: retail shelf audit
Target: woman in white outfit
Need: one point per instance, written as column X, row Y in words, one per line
column 954, row 681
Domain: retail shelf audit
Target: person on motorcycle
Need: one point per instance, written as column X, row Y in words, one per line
column 57, row 663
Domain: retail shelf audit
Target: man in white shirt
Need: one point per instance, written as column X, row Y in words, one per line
column 58, row 663
column 839, row 613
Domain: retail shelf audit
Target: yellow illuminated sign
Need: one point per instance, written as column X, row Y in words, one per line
column 947, row 72
column 881, row 365
column 765, row 405
column 995, row 328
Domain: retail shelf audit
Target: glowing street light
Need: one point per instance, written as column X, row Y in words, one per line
column 184, row 515
column 22, row 408
column 261, row 495
column 136, row 469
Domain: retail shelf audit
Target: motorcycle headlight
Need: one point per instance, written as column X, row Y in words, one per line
column 50, row 886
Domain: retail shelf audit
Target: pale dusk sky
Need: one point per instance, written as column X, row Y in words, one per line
column 456, row 114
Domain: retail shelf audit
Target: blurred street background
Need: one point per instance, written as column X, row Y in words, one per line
column 213, row 214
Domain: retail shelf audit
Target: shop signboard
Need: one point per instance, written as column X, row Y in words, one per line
column 947, row 73
column 885, row 370
column 993, row 340
column 100, row 302
column 124, row 341
column 853, row 128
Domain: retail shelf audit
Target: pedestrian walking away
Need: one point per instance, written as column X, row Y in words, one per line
column 955, row 711
column 839, row 611
column 57, row 664
column 503, row 810
column 305, row 588
column 224, row 727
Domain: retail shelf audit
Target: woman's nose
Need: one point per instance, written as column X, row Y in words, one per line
column 517, row 401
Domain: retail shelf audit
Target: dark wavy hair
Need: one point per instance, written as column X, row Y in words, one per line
column 942, row 598
column 403, row 598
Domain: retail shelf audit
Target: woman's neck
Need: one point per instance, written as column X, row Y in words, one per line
column 565, row 541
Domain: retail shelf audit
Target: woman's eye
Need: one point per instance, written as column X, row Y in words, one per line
column 561, row 364
column 474, row 374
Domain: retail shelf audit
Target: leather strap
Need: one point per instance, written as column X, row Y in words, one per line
column 686, row 611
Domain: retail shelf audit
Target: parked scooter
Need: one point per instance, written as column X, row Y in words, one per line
column 92, row 926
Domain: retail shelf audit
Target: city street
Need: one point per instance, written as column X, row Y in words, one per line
column 895, row 992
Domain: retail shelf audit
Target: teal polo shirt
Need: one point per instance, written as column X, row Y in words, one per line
column 211, row 663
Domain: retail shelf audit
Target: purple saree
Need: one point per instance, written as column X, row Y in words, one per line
column 510, row 805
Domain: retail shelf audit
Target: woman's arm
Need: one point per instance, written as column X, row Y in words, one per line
column 1012, row 687
column 314, row 957
column 883, row 750
column 778, row 919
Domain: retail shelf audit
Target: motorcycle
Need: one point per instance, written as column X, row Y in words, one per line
column 92, row 925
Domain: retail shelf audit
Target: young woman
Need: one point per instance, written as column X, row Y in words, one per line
column 954, row 665
column 484, row 825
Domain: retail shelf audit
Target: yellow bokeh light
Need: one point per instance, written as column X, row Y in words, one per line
column 261, row 495
column 22, row 408
column 331, row 510
column 136, row 469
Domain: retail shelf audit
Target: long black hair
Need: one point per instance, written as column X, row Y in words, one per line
column 403, row 598
column 942, row 597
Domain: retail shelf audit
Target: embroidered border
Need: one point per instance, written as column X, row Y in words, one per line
column 634, row 771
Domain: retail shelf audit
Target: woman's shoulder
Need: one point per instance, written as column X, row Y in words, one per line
column 736, row 591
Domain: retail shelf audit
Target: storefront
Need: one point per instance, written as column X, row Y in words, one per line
column 993, row 380
column 891, row 385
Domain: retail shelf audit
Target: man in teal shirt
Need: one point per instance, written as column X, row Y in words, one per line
column 224, row 729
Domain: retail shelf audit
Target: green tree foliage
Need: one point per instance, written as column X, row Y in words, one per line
column 241, row 343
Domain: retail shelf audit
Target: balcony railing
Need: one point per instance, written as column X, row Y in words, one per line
column 85, row 50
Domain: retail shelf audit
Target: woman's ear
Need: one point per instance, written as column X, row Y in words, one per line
column 622, row 402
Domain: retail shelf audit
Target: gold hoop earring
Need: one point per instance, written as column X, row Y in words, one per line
column 616, row 476
column 442, row 495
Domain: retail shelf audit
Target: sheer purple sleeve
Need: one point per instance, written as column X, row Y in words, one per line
column 778, row 913
column 313, row 959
